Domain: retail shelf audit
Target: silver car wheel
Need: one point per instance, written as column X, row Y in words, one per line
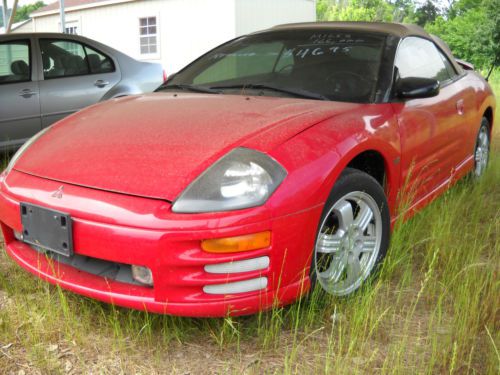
column 481, row 153
column 348, row 243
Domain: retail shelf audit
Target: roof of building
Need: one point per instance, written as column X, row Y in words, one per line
column 398, row 29
column 15, row 25
column 67, row 4
column 74, row 5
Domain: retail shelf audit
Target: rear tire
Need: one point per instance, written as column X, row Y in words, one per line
column 482, row 148
column 353, row 234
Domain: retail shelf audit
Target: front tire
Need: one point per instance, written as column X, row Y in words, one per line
column 353, row 234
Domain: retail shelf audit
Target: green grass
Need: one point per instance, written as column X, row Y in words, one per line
column 435, row 308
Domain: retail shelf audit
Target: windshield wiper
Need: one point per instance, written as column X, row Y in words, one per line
column 260, row 86
column 205, row 90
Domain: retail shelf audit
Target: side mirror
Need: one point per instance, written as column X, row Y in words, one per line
column 414, row 87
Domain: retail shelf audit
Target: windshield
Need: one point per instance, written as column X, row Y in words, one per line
column 314, row 64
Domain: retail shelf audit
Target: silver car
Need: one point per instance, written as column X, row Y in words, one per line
column 47, row 76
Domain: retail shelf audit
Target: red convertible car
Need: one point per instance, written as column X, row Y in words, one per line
column 276, row 161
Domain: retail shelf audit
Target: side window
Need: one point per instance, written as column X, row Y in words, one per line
column 98, row 62
column 15, row 61
column 246, row 62
column 66, row 58
column 449, row 68
column 72, row 27
column 417, row 57
column 63, row 58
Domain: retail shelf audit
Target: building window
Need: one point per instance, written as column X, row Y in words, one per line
column 72, row 30
column 72, row 27
column 148, row 35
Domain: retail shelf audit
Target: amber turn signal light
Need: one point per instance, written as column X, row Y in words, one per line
column 236, row 244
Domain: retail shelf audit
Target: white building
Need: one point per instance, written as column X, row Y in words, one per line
column 173, row 32
column 19, row 27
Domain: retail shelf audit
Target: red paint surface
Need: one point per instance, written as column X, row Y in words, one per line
column 123, row 162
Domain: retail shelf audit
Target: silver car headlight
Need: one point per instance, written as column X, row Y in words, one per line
column 23, row 148
column 243, row 178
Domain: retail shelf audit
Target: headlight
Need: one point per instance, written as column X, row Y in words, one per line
column 23, row 148
column 243, row 178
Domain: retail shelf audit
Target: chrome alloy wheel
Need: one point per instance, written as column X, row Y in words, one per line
column 482, row 151
column 348, row 243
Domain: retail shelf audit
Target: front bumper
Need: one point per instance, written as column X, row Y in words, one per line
column 138, row 231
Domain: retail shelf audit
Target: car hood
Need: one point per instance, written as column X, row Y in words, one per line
column 155, row 145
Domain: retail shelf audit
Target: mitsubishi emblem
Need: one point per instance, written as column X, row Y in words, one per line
column 58, row 193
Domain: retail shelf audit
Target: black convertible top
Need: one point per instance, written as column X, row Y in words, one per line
column 398, row 29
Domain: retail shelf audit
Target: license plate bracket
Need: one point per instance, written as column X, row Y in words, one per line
column 47, row 229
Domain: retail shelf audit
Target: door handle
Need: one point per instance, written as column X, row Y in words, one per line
column 460, row 107
column 27, row 93
column 101, row 83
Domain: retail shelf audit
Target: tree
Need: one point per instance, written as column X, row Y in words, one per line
column 23, row 12
column 473, row 34
column 404, row 10
column 470, row 27
column 355, row 10
column 322, row 7
column 458, row 8
column 491, row 7
column 426, row 13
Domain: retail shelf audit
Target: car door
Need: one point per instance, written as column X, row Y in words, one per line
column 465, row 119
column 19, row 99
column 75, row 76
column 431, row 129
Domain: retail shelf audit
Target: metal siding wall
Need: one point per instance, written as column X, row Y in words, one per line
column 187, row 28
column 26, row 28
column 254, row 15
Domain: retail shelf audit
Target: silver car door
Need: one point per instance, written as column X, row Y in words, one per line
column 75, row 76
column 19, row 95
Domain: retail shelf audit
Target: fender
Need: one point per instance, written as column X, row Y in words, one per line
column 354, row 134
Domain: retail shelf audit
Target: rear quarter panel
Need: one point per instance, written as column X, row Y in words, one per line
column 137, row 77
column 484, row 97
